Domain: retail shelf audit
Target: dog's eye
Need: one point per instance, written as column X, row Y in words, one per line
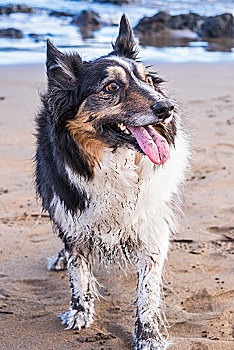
column 149, row 80
column 112, row 87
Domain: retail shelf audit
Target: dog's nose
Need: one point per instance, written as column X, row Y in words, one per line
column 163, row 109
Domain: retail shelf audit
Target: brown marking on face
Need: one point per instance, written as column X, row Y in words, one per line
column 85, row 135
column 117, row 73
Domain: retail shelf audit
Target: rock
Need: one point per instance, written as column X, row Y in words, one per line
column 88, row 21
column 11, row 33
column 8, row 9
column 191, row 21
column 88, row 18
column 118, row 2
column 163, row 20
column 60, row 14
column 34, row 36
column 218, row 26
column 154, row 24
column 39, row 37
column 207, row 27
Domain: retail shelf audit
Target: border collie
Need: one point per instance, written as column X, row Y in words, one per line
column 111, row 157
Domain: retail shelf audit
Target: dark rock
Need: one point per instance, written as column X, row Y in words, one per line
column 163, row 20
column 118, row 2
column 88, row 21
column 191, row 21
column 8, row 9
column 154, row 24
column 162, row 17
column 11, row 33
column 34, row 36
column 39, row 37
column 88, row 18
column 60, row 14
column 218, row 26
column 207, row 27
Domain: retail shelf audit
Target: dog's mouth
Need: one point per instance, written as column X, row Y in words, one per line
column 150, row 141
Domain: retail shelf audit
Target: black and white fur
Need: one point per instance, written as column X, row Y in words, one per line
column 108, row 206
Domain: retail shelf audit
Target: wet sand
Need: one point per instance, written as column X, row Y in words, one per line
column 198, row 292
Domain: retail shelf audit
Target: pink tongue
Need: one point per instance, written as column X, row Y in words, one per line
column 151, row 142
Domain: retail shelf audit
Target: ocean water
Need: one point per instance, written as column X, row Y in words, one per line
column 68, row 37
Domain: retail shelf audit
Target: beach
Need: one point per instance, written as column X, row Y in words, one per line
column 198, row 276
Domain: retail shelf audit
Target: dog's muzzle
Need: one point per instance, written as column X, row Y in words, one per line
column 163, row 110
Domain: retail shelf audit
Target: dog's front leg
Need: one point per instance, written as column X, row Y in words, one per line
column 81, row 311
column 147, row 334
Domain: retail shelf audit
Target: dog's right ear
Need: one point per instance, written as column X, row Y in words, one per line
column 62, row 68
column 125, row 44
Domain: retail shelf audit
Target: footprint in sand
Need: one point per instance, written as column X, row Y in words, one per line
column 199, row 302
column 29, row 219
column 221, row 229
column 3, row 190
column 199, row 346
column 230, row 121
column 226, row 98
column 223, row 145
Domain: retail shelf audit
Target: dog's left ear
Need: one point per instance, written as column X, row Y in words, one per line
column 125, row 44
column 62, row 68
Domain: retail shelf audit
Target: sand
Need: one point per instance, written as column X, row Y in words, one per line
column 198, row 277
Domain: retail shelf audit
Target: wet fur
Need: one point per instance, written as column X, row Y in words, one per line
column 107, row 200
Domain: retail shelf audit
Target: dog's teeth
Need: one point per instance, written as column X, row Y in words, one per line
column 122, row 127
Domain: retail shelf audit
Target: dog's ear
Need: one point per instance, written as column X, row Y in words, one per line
column 125, row 44
column 62, row 68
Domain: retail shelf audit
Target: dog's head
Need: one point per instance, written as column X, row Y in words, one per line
column 112, row 101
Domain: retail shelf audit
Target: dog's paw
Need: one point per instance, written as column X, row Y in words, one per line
column 76, row 319
column 150, row 344
column 57, row 262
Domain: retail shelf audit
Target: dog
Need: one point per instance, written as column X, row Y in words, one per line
column 112, row 153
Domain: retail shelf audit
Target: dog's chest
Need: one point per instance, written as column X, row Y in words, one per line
column 114, row 192
column 118, row 195
column 128, row 198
